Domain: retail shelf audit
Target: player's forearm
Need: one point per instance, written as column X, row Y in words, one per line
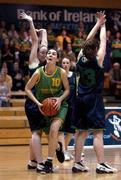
column 103, row 34
column 44, row 41
column 64, row 95
column 93, row 32
column 31, row 96
column 33, row 33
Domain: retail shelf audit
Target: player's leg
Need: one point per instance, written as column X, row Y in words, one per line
column 102, row 166
column 56, row 123
column 79, row 166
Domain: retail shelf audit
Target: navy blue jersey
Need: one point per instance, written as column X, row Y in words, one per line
column 29, row 103
column 35, row 118
column 91, row 76
column 32, row 70
column 71, row 102
column 72, row 95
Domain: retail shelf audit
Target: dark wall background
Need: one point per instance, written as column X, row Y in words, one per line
column 115, row 4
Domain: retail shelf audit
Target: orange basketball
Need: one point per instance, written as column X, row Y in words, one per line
column 48, row 107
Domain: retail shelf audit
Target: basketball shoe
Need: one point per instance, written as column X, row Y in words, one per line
column 105, row 168
column 60, row 153
column 32, row 164
column 79, row 167
column 44, row 168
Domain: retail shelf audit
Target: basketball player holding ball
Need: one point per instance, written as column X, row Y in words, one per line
column 48, row 81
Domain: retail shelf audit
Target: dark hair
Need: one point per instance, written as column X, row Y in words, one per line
column 89, row 49
column 56, row 52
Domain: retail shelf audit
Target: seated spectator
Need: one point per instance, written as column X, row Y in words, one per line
column 18, row 78
column 7, row 78
column 23, row 46
column 115, row 78
column 12, row 31
column 5, row 92
column 8, row 54
column 18, row 82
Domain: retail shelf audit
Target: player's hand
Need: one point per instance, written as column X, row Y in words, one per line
column 40, row 108
column 26, row 17
column 101, row 17
column 58, row 103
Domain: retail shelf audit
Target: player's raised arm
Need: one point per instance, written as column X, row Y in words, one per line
column 100, row 21
column 102, row 46
column 33, row 55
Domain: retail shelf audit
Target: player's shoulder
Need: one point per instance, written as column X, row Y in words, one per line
column 62, row 70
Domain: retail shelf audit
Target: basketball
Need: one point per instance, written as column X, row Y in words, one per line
column 48, row 107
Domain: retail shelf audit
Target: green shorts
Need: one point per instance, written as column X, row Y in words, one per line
column 62, row 112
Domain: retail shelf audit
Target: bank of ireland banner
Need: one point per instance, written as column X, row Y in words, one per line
column 58, row 16
column 44, row 15
column 112, row 134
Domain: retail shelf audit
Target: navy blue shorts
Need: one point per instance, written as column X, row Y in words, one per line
column 36, row 120
column 66, row 127
column 89, row 113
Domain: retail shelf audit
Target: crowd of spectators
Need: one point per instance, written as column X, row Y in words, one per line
column 15, row 46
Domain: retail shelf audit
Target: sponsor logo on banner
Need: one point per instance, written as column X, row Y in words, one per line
column 114, row 122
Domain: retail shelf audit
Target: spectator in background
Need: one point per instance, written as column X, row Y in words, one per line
column 7, row 78
column 60, row 52
column 107, row 59
column 116, row 48
column 115, row 78
column 23, row 45
column 51, row 36
column 5, row 92
column 12, row 31
column 81, row 27
column 3, row 26
column 70, row 55
column 63, row 39
column 78, row 42
column 18, row 78
column 8, row 54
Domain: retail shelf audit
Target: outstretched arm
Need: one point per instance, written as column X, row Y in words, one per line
column 33, row 55
column 102, row 47
column 100, row 20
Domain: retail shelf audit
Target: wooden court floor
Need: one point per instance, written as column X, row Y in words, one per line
column 13, row 160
